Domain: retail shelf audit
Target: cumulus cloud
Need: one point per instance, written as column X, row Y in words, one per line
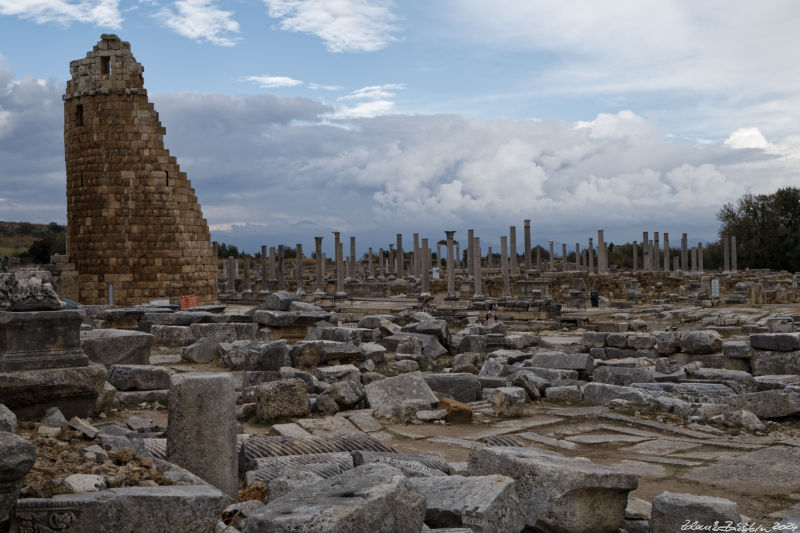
column 271, row 170
column 201, row 20
column 271, row 82
column 103, row 13
column 377, row 101
column 343, row 25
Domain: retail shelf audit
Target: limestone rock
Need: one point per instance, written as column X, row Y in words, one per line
column 487, row 504
column 8, row 420
column 31, row 392
column 557, row 493
column 701, row 342
column 459, row 386
column 780, row 342
column 601, row 393
column 367, row 499
column 17, row 456
column 202, row 351
column 670, row 511
column 139, row 377
column 509, row 401
column 29, row 294
column 384, row 395
column 339, row 396
column 286, row 398
column 117, row 346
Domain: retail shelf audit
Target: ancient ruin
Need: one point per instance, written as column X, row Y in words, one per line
column 376, row 392
column 135, row 228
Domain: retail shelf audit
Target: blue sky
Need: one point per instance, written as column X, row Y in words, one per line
column 294, row 118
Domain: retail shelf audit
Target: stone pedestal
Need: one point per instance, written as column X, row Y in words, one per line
column 40, row 339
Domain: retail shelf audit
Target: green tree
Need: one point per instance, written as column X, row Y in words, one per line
column 767, row 229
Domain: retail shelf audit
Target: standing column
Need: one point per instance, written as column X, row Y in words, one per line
column 635, row 255
column 273, row 266
column 504, row 266
column 400, row 257
column 577, row 256
column 320, row 265
column 424, row 259
column 246, row 284
column 488, row 257
column 526, row 228
column 201, row 433
column 700, row 256
column 371, row 266
column 512, row 243
column 381, row 265
column 451, row 267
column 339, row 256
column 470, row 254
column 656, row 252
column 666, row 252
column 645, row 251
column 591, row 256
column 726, row 258
column 552, row 257
column 476, row 252
column 439, row 254
column 231, row 273
column 351, row 263
column 458, row 254
column 563, row 257
column 392, row 263
column 417, row 264
column 264, row 270
column 601, row 266
column 684, row 252
column 733, row 253
column 538, row 258
column 281, row 271
column 694, row 259
column 299, row 269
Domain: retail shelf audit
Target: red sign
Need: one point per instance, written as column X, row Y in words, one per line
column 189, row 301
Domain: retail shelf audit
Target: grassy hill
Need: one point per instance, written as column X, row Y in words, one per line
column 17, row 238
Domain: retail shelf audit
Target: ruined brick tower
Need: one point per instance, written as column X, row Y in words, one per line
column 133, row 219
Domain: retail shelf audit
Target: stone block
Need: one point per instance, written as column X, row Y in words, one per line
column 372, row 350
column 285, row 398
column 384, row 395
column 333, row 373
column 779, row 342
column 201, row 351
column 602, row 393
column 472, row 343
column 558, row 493
column 766, row 404
column 164, row 509
column 339, row 396
column 8, row 420
column 737, row 349
column 485, row 504
column 701, row 342
column 689, row 392
column 340, row 351
column 275, row 319
column 509, row 402
column 139, row 377
column 671, row 511
column 552, row 374
column 40, row 339
column 369, row 498
column 555, row 359
column 201, row 432
column 615, row 375
column 568, row 393
column 267, row 355
column 534, row 385
column 641, row 341
column 29, row 393
column 228, row 332
column 781, row 324
column 117, row 346
column 17, row 456
column 668, row 342
column 171, row 335
column 280, row 300
column 766, row 363
column 462, row 387
column 594, row 339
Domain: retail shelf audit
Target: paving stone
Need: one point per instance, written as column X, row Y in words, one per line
column 606, row 438
column 369, row 498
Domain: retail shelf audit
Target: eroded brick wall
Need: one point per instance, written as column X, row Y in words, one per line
column 133, row 217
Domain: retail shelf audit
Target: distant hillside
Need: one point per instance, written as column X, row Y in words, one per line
column 18, row 238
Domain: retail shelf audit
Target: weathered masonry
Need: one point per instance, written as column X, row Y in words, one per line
column 133, row 217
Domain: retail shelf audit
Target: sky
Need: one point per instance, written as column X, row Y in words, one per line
column 296, row 118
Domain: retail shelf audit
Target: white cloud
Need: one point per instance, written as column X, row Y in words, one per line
column 374, row 92
column 749, row 138
column 318, row 87
column 270, row 82
column 343, row 25
column 103, row 13
column 363, row 110
column 201, row 20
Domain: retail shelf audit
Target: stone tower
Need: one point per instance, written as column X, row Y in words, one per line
column 133, row 219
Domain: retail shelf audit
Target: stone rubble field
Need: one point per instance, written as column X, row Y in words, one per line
column 373, row 416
